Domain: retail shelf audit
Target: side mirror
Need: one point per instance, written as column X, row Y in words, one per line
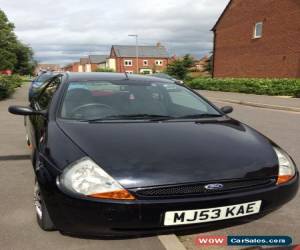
column 22, row 110
column 227, row 109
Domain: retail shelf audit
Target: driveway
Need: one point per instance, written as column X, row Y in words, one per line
column 18, row 228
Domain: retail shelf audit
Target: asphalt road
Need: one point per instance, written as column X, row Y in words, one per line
column 284, row 129
column 18, row 227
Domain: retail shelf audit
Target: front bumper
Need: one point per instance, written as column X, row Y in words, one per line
column 103, row 218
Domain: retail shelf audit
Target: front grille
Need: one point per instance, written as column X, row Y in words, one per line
column 196, row 189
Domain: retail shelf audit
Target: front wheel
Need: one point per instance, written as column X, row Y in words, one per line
column 42, row 215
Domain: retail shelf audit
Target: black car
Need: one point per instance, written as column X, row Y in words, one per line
column 126, row 155
column 166, row 76
column 38, row 81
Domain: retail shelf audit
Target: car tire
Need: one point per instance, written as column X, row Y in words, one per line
column 42, row 215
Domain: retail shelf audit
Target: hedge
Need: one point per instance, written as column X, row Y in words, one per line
column 104, row 70
column 8, row 85
column 283, row 87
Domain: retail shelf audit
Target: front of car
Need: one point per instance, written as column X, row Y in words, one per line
column 139, row 156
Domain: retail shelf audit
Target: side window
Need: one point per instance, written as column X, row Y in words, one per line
column 258, row 30
column 45, row 98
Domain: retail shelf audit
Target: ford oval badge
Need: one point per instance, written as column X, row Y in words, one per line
column 215, row 186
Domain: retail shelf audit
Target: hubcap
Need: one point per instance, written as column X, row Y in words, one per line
column 37, row 200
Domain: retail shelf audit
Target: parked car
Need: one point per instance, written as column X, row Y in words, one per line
column 166, row 76
column 38, row 82
column 126, row 155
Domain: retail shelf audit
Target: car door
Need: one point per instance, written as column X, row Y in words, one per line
column 37, row 125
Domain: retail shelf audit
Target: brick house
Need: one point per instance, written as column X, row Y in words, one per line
column 151, row 59
column 87, row 64
column 200, row 64
column 258, row 38
column 97, row 61
column 90, row 63
column 47, row 67
column 72, row 67
column 84, row 65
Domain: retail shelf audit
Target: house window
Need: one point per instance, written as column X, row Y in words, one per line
column 145, row 62
column 258, row 30
column 129, row 71
column 127, row 62
column 158, row 62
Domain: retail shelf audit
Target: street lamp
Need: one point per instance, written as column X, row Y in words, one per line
column 136, row 51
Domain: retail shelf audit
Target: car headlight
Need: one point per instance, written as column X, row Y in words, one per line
column 85, row 177
column 287, row 169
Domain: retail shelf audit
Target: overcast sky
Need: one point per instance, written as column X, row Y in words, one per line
column 61, row 31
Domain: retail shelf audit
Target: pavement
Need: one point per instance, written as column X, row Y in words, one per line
column 282, row 127
column 18, row 227
column 19, row 230
column 285, row 103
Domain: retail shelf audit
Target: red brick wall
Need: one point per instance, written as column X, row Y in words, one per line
column 72, row 67
column 94, row 67
column 276, row 54
column 151, row 64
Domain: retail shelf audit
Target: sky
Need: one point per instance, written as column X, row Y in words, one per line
column 62, row 31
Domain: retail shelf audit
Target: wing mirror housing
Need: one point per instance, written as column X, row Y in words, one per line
column 227, row 109
column 24, row 110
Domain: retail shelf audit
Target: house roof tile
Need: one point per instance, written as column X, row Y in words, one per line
column 144, row 51
column 98, row 58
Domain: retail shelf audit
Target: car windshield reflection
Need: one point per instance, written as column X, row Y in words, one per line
column 120, row 100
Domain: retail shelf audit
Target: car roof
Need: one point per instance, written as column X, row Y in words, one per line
column 162, row 75
column 76, row 77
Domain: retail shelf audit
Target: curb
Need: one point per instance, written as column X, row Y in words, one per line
column 171, row 242
column 258, row 105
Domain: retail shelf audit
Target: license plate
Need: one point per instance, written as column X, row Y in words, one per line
column 211, row 214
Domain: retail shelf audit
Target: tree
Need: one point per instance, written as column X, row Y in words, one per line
column 179, row 68
column 188, row 61
column 7, row 43
column 13, row 54
column 25, row 64
column 208, row 65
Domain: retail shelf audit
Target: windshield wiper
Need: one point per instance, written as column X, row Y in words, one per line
column 196, row 116
column 151, row 117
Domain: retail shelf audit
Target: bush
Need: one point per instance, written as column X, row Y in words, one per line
column 8, row 85
column 104, row 70
column 288, row 87
column 179, row 68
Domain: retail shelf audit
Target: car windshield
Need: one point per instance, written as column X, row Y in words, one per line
column 126, row 100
